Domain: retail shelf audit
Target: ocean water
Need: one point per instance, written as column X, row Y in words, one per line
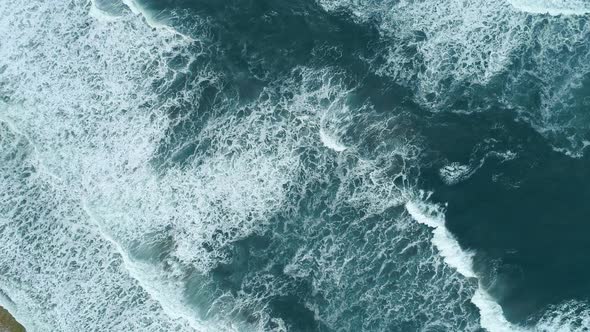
column 295, row 165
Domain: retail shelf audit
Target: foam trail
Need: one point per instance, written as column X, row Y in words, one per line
column 492, row 316
column 552, row 7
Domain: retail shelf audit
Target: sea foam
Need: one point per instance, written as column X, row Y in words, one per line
column 331, row 142
column 77, row 89
column 552, row 7
column 122, row 205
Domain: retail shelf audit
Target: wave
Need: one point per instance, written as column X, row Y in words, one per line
column 568, row 316
column 67, row 266
column 148, row 197
column 450, row 53
column 492, row 316
column 137, row 199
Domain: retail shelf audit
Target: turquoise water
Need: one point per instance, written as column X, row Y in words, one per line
column 327, row 165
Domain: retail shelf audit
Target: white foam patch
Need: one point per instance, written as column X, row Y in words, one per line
column 552, row 7
column 101, row 15
column 91, row 99
column 454, row 173
column 331, row 122
column 331, row 142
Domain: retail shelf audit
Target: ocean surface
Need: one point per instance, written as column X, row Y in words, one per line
column 295, row 165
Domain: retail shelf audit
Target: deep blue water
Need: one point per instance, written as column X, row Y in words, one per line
column 302, row 165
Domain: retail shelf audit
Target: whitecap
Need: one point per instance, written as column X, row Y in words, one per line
column 454, row 173
column 331, row 142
